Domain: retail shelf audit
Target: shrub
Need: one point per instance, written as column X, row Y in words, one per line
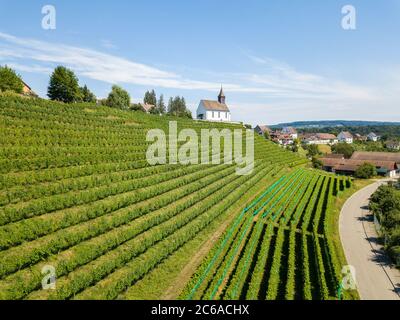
column 64, row 86
column 9, row 80
column 365, row 171
column 118, row 98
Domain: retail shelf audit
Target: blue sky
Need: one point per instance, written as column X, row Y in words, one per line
column 278, row 61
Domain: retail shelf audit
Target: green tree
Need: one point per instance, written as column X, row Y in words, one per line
column 343, row 148
column 150, row 98
column 64, row 86
column 267, row 135
column 10, row 80
column 385, row 204
column 177, row 107
column 312, row 150
column 317, row 163
column 160, row 107
column 118, row 98
column 87, row 95
column 136, row 107
column 365, row 171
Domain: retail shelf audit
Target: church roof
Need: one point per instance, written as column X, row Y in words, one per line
column 214, row 105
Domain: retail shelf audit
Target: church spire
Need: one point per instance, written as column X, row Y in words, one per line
column 221, row 96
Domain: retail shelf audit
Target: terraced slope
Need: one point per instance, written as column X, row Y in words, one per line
column 279, row 247
column 77, row 194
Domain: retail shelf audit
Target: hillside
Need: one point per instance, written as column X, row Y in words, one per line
column 76, row 192
column 78, row 197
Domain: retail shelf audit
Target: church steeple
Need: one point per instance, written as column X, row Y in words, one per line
column 221, row 96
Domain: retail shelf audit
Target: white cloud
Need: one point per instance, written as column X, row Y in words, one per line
column 278, row 79
column 32, row 68
column 277, row 91
column 96, row 65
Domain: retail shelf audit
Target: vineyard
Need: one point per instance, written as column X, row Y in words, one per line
column 77, row 194
column 279, row 247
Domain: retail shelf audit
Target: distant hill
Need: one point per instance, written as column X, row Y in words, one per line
column 334, row 123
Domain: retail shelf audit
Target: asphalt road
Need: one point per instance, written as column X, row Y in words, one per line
column 375, row 278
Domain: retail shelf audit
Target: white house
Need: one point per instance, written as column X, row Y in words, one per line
column 345, row 136
column 320, row 138
column 393, row 145
column 290, row 131
column 214, row 110
column 372, row 137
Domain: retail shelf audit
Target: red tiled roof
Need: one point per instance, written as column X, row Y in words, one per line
column 325, row 136
column 146, row 107
column 350, row 164
column 378, row 156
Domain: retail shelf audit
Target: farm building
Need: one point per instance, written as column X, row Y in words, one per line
column 386, row 163
column 214, row 110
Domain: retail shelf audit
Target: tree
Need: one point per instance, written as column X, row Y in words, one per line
column 312, row 150
column 267, row 135
column 317, row 163
column 87, row 95
column 365, row 171
column 160, row 107
column 64, row 86
column 136, row 107
column 294, row 147
column 343, row 148
column 150, row 98
column 177, row 107
column 10, row 80
column 385, row 204
column 118, row 98
column 187, row 114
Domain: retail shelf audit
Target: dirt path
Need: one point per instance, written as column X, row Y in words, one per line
column 376, row 278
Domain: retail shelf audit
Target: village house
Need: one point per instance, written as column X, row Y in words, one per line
column 281, row 138
column 320, row 138
column 261, row 129
column 393, row 145
column 214, row 110
column 290, row 131
column 345, row 136
column 27, row 90
column 359, row 137
column 372, row 137
column 146, row 107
